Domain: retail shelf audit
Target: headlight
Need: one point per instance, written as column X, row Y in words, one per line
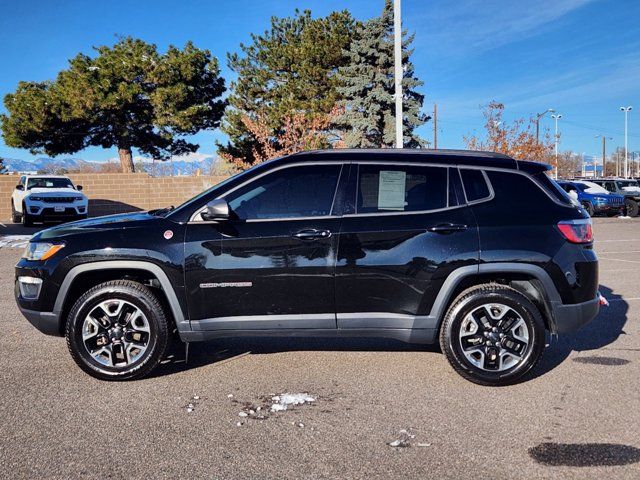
column 41, row 250
column 35, row 198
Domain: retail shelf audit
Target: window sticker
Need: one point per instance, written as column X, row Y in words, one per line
column 392, row 190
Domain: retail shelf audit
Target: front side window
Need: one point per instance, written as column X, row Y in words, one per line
column 304, row 191
column 387, row 188
column 44, row 182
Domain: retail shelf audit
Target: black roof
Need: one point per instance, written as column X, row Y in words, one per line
column 445, row 157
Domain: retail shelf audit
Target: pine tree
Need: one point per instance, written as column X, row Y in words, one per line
column 127, row 96
column 288, row 70
column 368, row 86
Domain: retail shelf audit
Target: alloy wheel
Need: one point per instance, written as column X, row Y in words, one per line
column 116, row 333
column 494, row 337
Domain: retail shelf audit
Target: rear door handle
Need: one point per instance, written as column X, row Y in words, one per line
column 447, row 228
column 312, row 234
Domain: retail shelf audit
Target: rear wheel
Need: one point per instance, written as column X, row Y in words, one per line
column 632, row 207
column 492, row 335
column 118, row 330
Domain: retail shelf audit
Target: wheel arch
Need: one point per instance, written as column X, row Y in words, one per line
column 530, row 280
column 82, row 277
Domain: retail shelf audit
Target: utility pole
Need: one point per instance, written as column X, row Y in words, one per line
column 556, row 118
column 538, row 117
column 435, row 125
column 604, row 153
column 626, row 111
column 397, row 44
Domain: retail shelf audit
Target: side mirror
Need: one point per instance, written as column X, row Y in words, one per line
column 20, row 187
column 79, row 187
column 217, row 209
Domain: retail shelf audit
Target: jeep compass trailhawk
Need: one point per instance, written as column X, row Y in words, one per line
column 476, row 251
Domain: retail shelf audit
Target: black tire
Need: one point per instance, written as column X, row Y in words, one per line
column 15, row 216
column 589, row 208
column 632, row 207
column 26, row 218
column 140, row 297
column 466, row 303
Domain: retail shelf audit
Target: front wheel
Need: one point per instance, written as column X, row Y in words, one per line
column 632, row 207
column 15, row 216
column 492, row 335
column 26, row 218
column 589, row 208
column 118, row 330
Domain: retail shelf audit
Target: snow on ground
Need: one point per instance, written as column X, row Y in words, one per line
column 282, row 402
column 14, row 241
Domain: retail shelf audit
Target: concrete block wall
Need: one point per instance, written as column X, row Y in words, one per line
column 121, row 192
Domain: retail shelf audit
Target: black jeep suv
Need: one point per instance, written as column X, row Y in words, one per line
column 475, row 250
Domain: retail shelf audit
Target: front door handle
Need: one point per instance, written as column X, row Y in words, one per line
column 312, row 234
column 447, row 228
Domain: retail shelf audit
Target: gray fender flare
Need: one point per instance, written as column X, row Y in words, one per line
column 155, row 270
column 444, row 296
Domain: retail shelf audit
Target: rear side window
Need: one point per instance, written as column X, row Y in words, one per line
column 555, row 190
column 475, row 185
column 389, row 188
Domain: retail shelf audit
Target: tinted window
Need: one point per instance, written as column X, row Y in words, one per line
column 518, row 191
column 305, row 191
column 553, row 188
column 475, row 185
column 456, row 193
column 387, row 188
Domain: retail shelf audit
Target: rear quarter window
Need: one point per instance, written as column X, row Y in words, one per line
column 521, row 192
column 555, row 190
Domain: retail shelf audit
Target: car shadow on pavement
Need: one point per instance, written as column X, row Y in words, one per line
column 8, row 228
column 602, row 331
column 223, row 350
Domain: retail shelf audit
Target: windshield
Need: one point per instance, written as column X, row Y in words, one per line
column 624, row 184
column 48, row 182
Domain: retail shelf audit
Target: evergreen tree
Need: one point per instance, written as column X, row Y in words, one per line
column 127, row 96
column 368, row 86
column 288, row 70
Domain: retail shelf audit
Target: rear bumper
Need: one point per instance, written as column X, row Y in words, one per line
column 46, row 322
column 570, row 318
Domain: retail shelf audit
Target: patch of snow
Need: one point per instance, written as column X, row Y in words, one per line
column 282, row 402
column 243, row 414
column 624, row 217
column 14, row 241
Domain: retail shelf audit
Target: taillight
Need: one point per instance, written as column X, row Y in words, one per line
column 576, row 231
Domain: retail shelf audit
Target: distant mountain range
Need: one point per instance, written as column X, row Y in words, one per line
column 178, row 166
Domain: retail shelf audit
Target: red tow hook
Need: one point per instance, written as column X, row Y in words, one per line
column 603, row 301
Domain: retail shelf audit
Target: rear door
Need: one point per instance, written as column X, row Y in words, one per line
column 406, row 230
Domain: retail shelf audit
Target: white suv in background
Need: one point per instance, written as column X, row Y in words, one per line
column 40, row 198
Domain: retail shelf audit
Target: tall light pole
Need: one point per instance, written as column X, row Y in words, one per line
column 626, row 111
column 397, row 51
column 538, row 117
column 556, row 118
column 604, row 153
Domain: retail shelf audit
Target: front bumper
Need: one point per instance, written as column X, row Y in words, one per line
column 46, row 322
column 570, row 318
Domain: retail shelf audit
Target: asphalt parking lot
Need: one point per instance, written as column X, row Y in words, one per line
column 577, row 416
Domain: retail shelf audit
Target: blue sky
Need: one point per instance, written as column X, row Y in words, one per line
column 581, row 57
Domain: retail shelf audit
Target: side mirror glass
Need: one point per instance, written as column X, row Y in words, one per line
column 20, row 187
column 217, row 209
column 79, row 187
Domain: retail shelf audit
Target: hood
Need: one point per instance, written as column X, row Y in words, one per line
column 66, row 191
column 109, row 222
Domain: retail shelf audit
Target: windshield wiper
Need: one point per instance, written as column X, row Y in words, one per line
column 161, row 211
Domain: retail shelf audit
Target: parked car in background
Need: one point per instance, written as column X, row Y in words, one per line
column 364, row 243
column 42, row 198
column 594, row 198
column 628, row 188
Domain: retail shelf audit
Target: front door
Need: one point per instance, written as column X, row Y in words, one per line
column 409, row 230
column 272, row 265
